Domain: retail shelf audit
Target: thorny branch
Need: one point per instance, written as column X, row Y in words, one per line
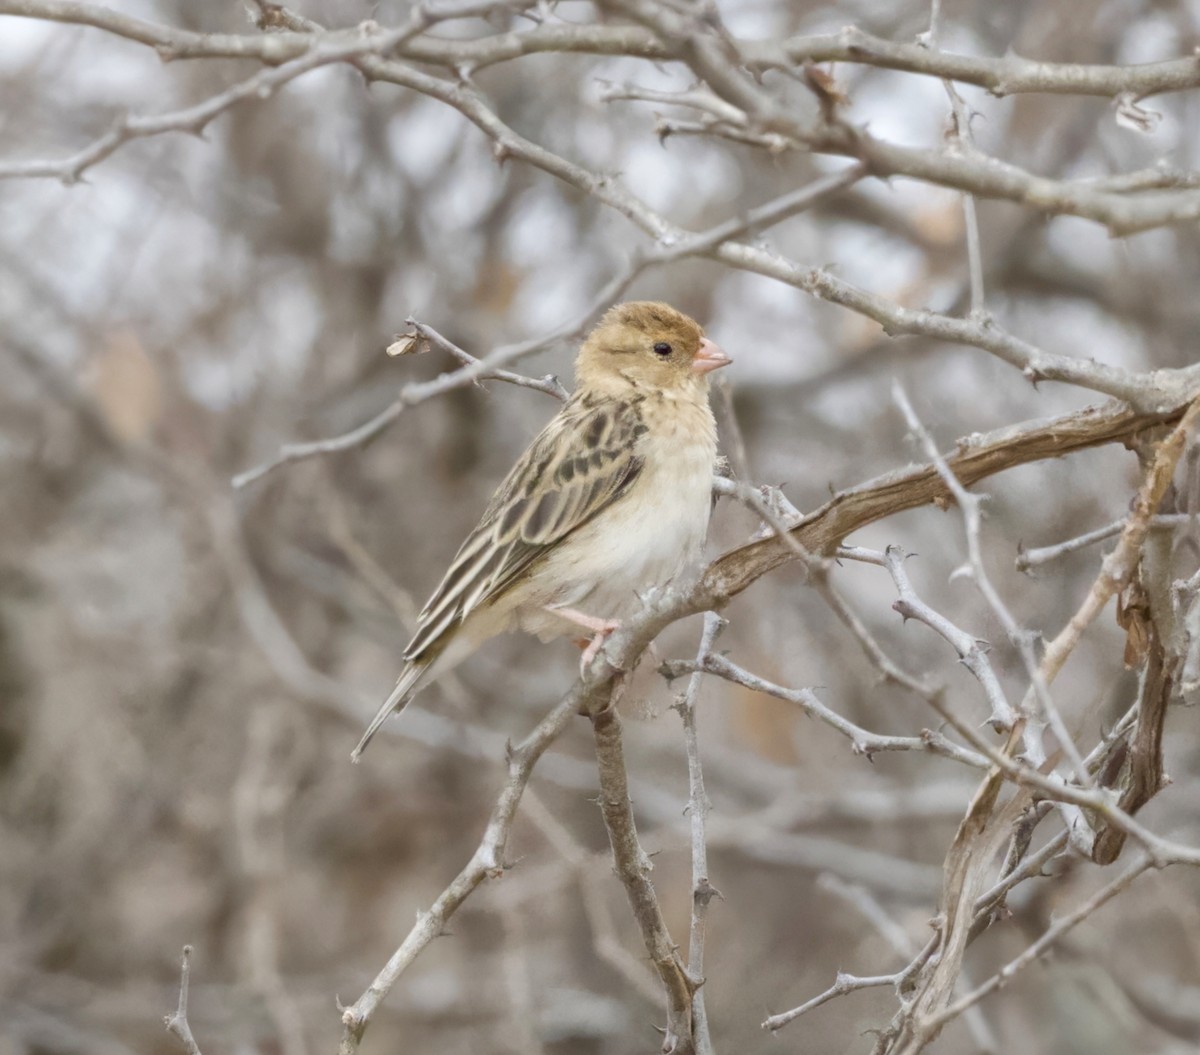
column 983, row 177
column 737, row 98
column 974, row 458
column 986, row 825
column 698, row 806
column 1029, row 559
column 1119, row 565
column 633, row 869
column 1052, row 934
column 1009, row 75
column 862, row 741
column 970, row 506
column 487, row 862
column 818, row 532
column 473, row 371
column 679, row 246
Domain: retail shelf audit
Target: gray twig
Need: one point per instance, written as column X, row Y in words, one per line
column 698, row 806
column 633, row 868
column 1028, row 559
column 863, row 741
column 969, row 505
column 487, row 861
column 177, row 1021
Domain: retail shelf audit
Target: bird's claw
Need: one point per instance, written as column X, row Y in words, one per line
column 592, row 650
column 600, row 628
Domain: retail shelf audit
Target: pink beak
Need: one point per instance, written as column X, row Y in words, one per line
column 709, row 357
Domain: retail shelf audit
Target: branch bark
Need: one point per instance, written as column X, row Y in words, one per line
column 1010, row 74
column 633, row 869
column 973, row 459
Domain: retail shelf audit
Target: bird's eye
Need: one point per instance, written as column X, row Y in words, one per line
column 662, row 348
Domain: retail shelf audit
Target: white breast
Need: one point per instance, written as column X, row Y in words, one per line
column 646, row 538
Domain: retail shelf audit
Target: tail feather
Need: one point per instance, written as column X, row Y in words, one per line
column 406, row 688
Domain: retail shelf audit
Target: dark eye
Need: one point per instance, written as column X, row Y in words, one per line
column 662, row 348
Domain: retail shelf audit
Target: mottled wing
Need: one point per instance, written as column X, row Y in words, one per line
column 582, row 461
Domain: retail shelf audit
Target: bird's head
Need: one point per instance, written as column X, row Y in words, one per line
column 647, row 345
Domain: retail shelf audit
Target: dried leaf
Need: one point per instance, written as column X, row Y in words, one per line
column 407, row 344
column 1133, row 616
column 125, row 383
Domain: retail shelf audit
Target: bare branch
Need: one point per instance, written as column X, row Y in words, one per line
column 961, row 138
column 866, row 904
column 889, row 670
column 1060, row 927
column 1031, row 866
column 698, row 806
column 1098, row 799
column 675, row 246
column 712, row 54
column 1034, row 363
column 177, row 1021
column 1119, row 565
column 486, row 862
column 1022, row 640
column 295, row 452
column 843, row 984
column 549, row 384
column 1144, row 392
column 633, row 869
column 972, row 651
column 1008, row 75
column 418, row 392
column 863, row 742
column 974, row 459
column 1032, row 558
column 608, row 945
column 194, row 119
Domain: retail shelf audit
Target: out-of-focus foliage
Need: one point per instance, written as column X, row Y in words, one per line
column 183, row 670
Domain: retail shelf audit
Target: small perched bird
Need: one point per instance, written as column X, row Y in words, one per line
column 613, row 497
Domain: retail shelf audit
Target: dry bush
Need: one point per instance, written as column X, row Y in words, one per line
column 224, row 504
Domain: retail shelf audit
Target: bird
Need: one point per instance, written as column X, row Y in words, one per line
column 612, row 498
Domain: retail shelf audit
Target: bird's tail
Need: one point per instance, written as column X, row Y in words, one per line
column 406, row 688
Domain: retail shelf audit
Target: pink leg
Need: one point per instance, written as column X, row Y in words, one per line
column 601, row 628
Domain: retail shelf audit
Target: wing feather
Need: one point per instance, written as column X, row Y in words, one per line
column 584, row 460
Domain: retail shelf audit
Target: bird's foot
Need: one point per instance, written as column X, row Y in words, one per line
column 601, row 630
column 594, row 646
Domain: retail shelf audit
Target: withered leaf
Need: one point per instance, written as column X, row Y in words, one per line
column 1133, row 616
column 407, row 344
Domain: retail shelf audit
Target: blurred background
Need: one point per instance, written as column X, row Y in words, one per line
column 184, row 668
